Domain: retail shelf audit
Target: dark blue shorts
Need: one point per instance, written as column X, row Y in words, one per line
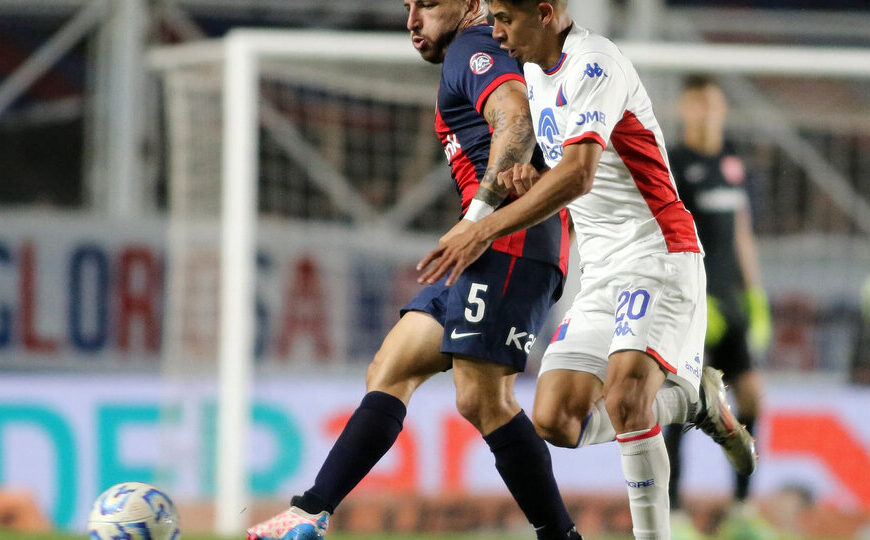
column 496, row 308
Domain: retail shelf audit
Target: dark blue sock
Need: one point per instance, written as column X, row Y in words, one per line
column 523, row 461
column 368, row 435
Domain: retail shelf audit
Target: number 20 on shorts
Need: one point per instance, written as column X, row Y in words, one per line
column 632, row 304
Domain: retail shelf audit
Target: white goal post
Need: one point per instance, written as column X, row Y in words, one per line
column 241, row 54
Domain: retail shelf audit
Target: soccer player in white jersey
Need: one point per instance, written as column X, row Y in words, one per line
column 640, row 316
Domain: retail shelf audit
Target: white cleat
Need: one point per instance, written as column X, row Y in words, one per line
column 716, row 420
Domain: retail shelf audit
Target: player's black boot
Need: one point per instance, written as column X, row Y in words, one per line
column 573, row 534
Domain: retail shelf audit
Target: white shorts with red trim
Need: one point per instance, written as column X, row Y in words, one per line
column 656, row 304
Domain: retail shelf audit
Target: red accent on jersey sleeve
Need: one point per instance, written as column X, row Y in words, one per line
column 660, row 360
column 490, row 88
column 639, row 151
column 585, row 137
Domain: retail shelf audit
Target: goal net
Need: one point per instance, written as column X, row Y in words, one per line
column 304, row 182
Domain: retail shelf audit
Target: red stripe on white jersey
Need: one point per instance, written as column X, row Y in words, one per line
column 640, row 152
column 660, row 360
column 585, row 137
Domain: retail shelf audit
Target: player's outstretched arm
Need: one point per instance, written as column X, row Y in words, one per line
column 570, row 179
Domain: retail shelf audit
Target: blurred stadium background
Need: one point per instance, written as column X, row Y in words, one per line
column 112, row 155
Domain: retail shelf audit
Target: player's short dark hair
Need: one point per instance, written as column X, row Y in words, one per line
column 699, row 81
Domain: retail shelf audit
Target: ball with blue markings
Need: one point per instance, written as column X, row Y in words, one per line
column 133, row 511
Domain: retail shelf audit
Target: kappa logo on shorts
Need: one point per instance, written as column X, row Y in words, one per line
column 480, row 63
column 515, row 336
column 623, row 329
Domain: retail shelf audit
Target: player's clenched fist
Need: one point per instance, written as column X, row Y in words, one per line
column 520, row 178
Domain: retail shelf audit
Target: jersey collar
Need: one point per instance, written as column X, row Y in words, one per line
column 558, row 66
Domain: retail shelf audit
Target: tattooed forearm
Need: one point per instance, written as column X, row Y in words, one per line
column 512, row 142
column 492, row 197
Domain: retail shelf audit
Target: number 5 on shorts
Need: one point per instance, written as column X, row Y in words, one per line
column 476, row 315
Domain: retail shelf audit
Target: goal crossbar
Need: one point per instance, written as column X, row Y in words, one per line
column 827, row 62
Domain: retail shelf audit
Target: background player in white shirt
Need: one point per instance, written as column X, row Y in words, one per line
column 640, row 316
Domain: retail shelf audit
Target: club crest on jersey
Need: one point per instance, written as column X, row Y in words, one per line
column 547, row 125
column 593, row 70
column 548, row 130
column 480, row 63
column 560, row 97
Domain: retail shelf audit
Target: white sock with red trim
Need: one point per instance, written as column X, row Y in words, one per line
column 671, row 406
column 647, row 473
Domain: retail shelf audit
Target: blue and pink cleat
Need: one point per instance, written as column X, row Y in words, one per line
column 291, row 524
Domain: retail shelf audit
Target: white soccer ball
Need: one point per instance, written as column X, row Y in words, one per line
column 133, row 511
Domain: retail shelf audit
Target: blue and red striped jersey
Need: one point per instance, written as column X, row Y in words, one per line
column 474, row 67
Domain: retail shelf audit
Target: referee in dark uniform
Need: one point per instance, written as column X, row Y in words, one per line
column 710, row 179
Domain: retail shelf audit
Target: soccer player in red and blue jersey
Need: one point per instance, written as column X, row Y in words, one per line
column 484, row 325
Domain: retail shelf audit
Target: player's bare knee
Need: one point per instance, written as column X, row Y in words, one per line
column 557, row 428
column 628, row 411
column 470, row 405
column 560, row 435
column 385, row 375
column 483, row 409
column 377, row 372
column 546, row 424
